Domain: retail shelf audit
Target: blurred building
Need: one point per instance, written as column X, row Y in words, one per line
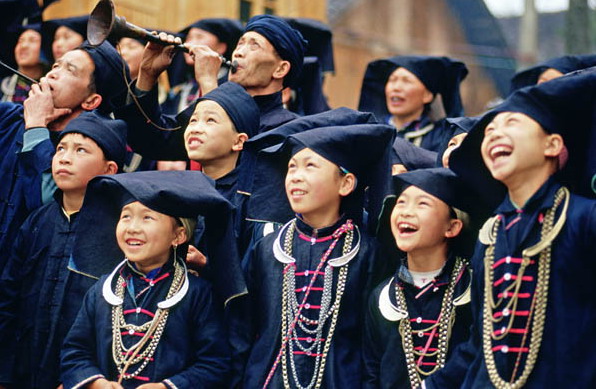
column 363, row 30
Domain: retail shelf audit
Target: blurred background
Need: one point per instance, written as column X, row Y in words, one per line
column 495, row 38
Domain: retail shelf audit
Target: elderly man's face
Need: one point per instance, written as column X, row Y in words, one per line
column 257, row 61
column 70, row 79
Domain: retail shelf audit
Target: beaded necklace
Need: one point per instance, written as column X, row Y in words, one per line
column 153, row 329
column 548, row 233
column 291, row 316
column 444, row 323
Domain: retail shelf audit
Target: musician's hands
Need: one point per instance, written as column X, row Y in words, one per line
column 207, row 63
column 39, row 108
column 156, row 59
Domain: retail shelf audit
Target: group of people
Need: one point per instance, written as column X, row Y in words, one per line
column 401, row 245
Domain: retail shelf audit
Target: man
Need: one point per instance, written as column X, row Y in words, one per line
column 269, row 55
column 84, row 79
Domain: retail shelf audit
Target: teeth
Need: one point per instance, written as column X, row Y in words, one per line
column 407, row 227
column 298, row 192
column 500, row 151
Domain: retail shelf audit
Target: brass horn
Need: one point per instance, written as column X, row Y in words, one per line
column 104, row 22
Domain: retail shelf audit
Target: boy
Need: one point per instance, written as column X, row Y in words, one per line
column 149, row 324
column 416, row 319
column 533, row 301
column 37, row 300
column 307, row 282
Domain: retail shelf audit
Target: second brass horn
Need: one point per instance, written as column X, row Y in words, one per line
column 104, row 22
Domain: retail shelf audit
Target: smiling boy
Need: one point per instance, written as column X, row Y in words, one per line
column 37, row 300
column 534, row 306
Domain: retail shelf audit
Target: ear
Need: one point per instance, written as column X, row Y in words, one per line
column 554, row 145
column 455, row 227
column 348, row 184
column 111, row 168
column 239, row 142
column 180, row 236
column 282, row 70
column 428, row 97
column 91, row 102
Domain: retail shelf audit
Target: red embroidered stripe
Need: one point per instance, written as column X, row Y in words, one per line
column 309, row 339
column 510, row 295
column 145, row 379
column 135, row 334
column 510, row 349
column 513, row 278
column 427, row 364
column 310, row 355
column 310, row 273
column 420, row 348
column 146, row 312
column 434, row 334
column 511, row 331
column 516, row 313
column 156, row 280
column 511, row 260
column 303, row 289
column 423, row 321
column 308, row 306
column 319, row 240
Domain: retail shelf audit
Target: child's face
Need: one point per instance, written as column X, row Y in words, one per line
column 314, row 185
column 453, row 144
column 147, row 236
column 406, row 95
column 514, row 145
column 210, row 134
column 132, row 52
column 420, row 221
column 77, row 160
column 28, row 48
column 65, row 40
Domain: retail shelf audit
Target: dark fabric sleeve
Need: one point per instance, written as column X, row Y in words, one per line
column 241, row 320
column 10, row 286
column 78, row 362
column 211, row 359
column 372, row 347
column 147, row 140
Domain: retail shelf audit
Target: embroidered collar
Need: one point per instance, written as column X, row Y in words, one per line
column 542, row 199
column 285, row 258
column 112, row 299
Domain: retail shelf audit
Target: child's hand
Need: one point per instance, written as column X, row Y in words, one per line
column 153, row 386
column 102, row 383
column 195, row 259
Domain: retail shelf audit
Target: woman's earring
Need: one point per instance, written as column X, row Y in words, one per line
column 175, row 248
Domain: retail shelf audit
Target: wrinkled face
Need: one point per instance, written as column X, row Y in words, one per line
column 69, row 79
column 406, row 95
column 313, row 184
column 28, row 47
column 549, row 74
column 514, row 145
column 419, row 220
column 65, row 40
column 198, row 36
column 132, row 52
column 210, row 134
column 453, row 144
column 257, row 61
column 77, row 160
column 146, row 236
